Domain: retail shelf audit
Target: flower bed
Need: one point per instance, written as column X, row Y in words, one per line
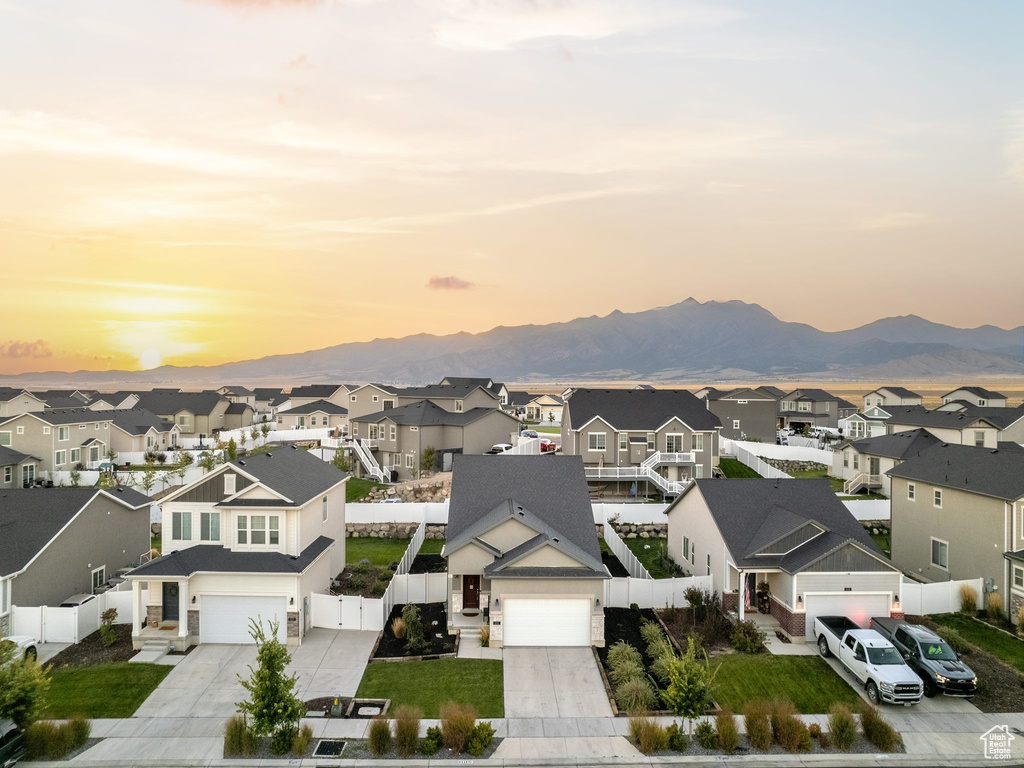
column 434, row 617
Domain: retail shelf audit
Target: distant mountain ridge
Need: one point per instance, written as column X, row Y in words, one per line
column 708, row 342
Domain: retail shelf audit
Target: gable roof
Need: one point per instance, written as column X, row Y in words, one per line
column 774, row 391
column 444, row 391
column 9, row 456
column 987, row 394
column 755, row 512
column 899, row 445
column 986, row 471
column 292, row 472
column 944, row 419
column 238, row 408
column 316, row 406
column 817, row 395
column 267, row 393
column 213, row 559
column 138, row 421
column 640, row 409
column 426, row 413
column 898, row 391
column 8, row 393
column 166, row 403
column 319, row 391
column 519, row 397
column 546, row 493
column 238, row 391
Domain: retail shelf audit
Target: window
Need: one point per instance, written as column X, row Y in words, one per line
column 46, row 430
column 803, row 406
column 375, row 398
column 709, row 565
column 673, row 443
column 181, row 526
column 209, row 526
column 1018, row 577
column 351, row 398
column 596, row 441
column 698, row 442
column 698, row 471
column 409, row 460
column 28, row 474
column 183, row 420
column 650, row 441
column 911, row 491
column 258, row 529
column 458, row 406
column 60, row 457
column 262, row 530
column 735, row 423
column 856, row 461
column 388, row 405
column 693, row 553
column 5, row 438
column 230, row 482
column 21, row 430
column 982, row 403
column 623, row 441
column 937, row 501
column 5, row 599
column 8, row 474
column 323, row 509
column 979, row 439
column 414, row 429
column 63, row 433
column 741, row 402
column 76, row 455
column 686, row 547
column 99, row 575
column 149, row 441
column 846, row 459
column 940, row 554
column 393, row 432
column 275, row 534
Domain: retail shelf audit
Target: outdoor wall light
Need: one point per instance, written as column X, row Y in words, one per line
column 800, row 602
column 193, row 599
column 291, row 601
column 895, row 603
column 497, row 603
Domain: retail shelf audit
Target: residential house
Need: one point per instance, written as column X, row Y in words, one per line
column 523, row 555
column 795, row 535
column 545, row 409
column 496, row 387
column 17, row 469
column 664, row 437
column 309, row 393
column 517, row 402
column 813, row 408
column 970, row 427
column 239, row 415
column 264, row 396
column 891, row 396
column 238, row 394
column 979, row 396
column 871, row 421
column 65, row 398
column 862, row 464
column 66, row 541
column 457, row 398
column 398, row 437
column 121, row 401
column 957, row 512
column 315, row 415
column 15, row 401
column 253, row 540
column 746, row 414
column 197, row 414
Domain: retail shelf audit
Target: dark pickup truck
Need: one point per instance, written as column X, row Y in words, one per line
column 930, row 657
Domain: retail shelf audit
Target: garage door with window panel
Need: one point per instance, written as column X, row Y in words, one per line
column 546, row 621
column 856, row 606
column 225, row 618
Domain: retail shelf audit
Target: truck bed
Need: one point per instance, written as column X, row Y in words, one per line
column 837, row 625
column 885, row 626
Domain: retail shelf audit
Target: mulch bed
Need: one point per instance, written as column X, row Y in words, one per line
column 714, row 629
column 435, row 622
column 1000, row 686
column 91, row 650
column 359, row 749
column 324, row 703
column 364, row 580
column 264, row 752
column 428, row 564
column 694, row 749
column 624, row 624
column 615, row 566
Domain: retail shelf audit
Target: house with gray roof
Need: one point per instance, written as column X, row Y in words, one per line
column 523, row 556
column 495, row 387
column 957, row 514
column 197, row 414
column 17, row 469
column 980, row 427
column 745, row 413
column 979, row 396
column 809, row 407
column 309, row 393
column 254, row 539
column 15, row 401
column 316, row 414
column 59, row 542
column 891, row 395
column 239, row 415
column 862, row 464
column 794, row 535
column 657, row 439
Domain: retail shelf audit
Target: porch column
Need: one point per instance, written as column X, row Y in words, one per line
column 741, row 602
column 183, row 603
column 137, row 614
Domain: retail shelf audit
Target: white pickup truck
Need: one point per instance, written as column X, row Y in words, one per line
column 870, row 658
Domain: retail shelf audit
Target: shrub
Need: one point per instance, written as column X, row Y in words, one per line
column 415, row 640
column 407, row 730
column 80, row 730
column 379, row 588
column 302, row 740
column 677, row 740
column 746, row 637
column 824, row 741
column 778, row 710
column 380, row 737
column 636, row 695
column 621, row 651
column 695, row 597
column 107, row 634
column 432, row 741
column 457, row 723
column 627, row 670
column 955, row 639
column 661, row 649
column 842, row 729
column 995, row 607
column 485, row 637
column 283, row 739
column 55, row 742
column 728, row 733
column 647, row 735
column 398, row 627
column 789, row 731
column 706, row 735
column 660, row 667
column 239, row 738
column 756, row 718
column 815, row 730
column 877, row 730
column 480, row 739
column 968, row 599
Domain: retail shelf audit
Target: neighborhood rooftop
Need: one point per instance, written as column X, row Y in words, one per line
column 988, row 471
column 641, row 409
column 899, row 445
column 292, row 472
column 316, row 406
column 425, row 413
column 213, row 559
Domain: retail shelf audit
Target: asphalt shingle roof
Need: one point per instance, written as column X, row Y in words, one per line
column 267, row 393
column 947, row 419
column 443, row 391
column 209, row 558
column 640, row 409
column 425, row 413
column 898, row 391
column 987, row 471
column 987, row 394
column 9, row 456
column 315, row 390
column 8, row 393
column 168, row 403
column 292, row 472
column 899, row 445
column 317, row 406
column 138, row 421
column 237, row 408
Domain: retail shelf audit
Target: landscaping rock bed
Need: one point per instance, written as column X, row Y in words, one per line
column 789, row 467
column 364, row 580
column 264, row 753
column 358, row 749
column 91, row 650
column 861, row 747
column 429, row 489
column 435, row 631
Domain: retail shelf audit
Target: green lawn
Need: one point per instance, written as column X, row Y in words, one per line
column 838, row 484
column 808, row 681
column 106, row 690
column 884, row 542
column 155, row 542
column 735, row 468
column 649, row 558
column 1003, row 646
column 429, row 684
column 431, row 547
column 548, row 430
column 385, row 551
column 357, row 487
column 823, row 472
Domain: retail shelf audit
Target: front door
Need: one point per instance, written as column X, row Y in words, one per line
column 873, row 466
column 170, row 612
column 470, row 591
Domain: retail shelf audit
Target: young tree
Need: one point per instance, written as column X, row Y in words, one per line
column 107, row 481
column 551, row 417
column 232, row 449
column 149, row 476
column 273, row 705
column 76, row 477
column 690, row 678
column 341, row 461
column 208, row 460
column 22, row 685
column 254, row 434
column 428, row 457
column 264, row 429
column 112, row 456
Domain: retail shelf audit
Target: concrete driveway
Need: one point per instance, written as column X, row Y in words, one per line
column 935, row 705
column 553, row 682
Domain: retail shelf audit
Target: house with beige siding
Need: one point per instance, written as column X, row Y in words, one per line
column 495, row 387
column 121, row 401
column 253, row 540
column 239, row 415
column 891, row 395
column 794, row 535
column 456, row 398
column 196, row 414
column 523, row 556
column 627, row 436
column 979, row 396
column 966, row 427
column 745, row 413
column 812, row 408
column 958, row 513
column 310, row 393
column 17, row 469
column 15, row 401
column 544, row 409
column 863, row 464
column 315, row 415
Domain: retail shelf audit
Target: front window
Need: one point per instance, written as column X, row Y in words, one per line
column 938, row 499
column 911, row 491
column 408, row 460
column 674, row 443
column 856, row 461
column 388, row 405
column 209, row 526
column 181, row 526
column 979, row 439
column 698, row 443
column 596, row 441
column 884, row 657
column 262, row 530
column 99, row 575
column 63, row 433
column 803, row 406
column 243, row 532
column 60, row 457
column 940, row 554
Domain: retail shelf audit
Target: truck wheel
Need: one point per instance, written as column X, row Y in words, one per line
column 872, row 690
column 930, row 688
column 30, row 653
column 823, row 647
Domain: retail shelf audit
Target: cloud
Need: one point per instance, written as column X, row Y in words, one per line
column 450, row 283
column 33, row 349
column 895, row 220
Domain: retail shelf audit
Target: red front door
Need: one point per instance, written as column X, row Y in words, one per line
column 470, row 591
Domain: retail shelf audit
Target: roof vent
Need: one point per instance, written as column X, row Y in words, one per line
column 241, row 462
column 554, row 539
column 269, row 455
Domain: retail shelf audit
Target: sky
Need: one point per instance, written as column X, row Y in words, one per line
column 200, row 181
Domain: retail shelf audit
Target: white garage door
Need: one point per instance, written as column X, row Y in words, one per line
column 857, row 607
column 224, row 619
column 547, row 621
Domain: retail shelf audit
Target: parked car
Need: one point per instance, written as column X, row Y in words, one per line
column 12, row 747
column 870, row 658
column 26, row 644
column 938, row 665
column 547, row 446
column 529, row 433
column 500, row 448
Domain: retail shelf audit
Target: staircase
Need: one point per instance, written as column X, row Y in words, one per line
column 152, row 651
column 646, row 471
column 859, row 482
column 366, row 459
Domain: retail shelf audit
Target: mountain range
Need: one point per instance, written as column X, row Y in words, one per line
column 689, row 341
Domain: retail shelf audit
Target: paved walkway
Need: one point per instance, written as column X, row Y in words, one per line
column 553, row 683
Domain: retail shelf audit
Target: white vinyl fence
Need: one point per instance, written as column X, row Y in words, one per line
column 756, row 463
column 621, row 551
column 69, row 625
column 635, row 513
column 652, row 593
column 869, row 509
column 432, row 513
column 528, row 446
column 941, row 597
column 772, row 451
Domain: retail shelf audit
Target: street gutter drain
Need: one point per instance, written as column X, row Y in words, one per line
column 328, row 748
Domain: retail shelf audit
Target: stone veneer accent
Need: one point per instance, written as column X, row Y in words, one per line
column 1016, row 603
column 5, row 625
column 390, row 530
column 293, row 623
column 154, row 615
column 193, row 624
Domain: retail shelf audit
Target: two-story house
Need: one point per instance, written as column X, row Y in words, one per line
column 966, row 427
column 862, row 464
column 496, row 387
column 457, row 398
column 745, row 413
column 197, row 414
column 311, row 393
column 813, row 408
column 314, row 415
column 984, row 398
column 958, row 513
column 252, row 540
column 661, row 437
column 238, row 394
column 15, row 401
column 871, row 421
column 891, row 395
column 17, row 469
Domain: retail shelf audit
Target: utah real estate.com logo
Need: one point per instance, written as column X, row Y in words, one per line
column 997, row 742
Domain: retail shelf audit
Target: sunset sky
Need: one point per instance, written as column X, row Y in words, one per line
column 193, row 181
